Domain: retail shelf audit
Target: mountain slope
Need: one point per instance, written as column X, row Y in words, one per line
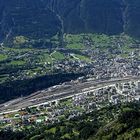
column 89, row 15
column 28, row 18
column 103, row 124
column 127, row 126
column 46, row 18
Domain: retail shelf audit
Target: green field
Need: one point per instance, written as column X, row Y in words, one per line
column 57, row 55
column 18, row 62
column 45, row 58
column 75, row 46
column 37, row 62
column 3, row 57
column 82, row 58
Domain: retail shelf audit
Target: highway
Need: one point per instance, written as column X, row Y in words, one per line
column 60, row 92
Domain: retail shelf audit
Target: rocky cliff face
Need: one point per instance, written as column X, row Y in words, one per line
column 98, row 16
column 28, row 18
column 132, row 17
column 45, row 18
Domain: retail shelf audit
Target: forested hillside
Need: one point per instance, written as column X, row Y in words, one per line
column 119, row 122
column 38, row 19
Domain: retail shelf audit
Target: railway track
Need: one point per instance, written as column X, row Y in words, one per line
column 60, row 92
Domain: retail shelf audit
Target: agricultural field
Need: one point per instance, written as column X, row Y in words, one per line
column 20, row 63
column 81, row 54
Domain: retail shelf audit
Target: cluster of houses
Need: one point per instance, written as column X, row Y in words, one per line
column 54, row 112
column 110, row 63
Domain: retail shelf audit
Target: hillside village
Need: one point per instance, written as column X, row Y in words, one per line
column 88, row 54
column 98, row 55
column 69, row 108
